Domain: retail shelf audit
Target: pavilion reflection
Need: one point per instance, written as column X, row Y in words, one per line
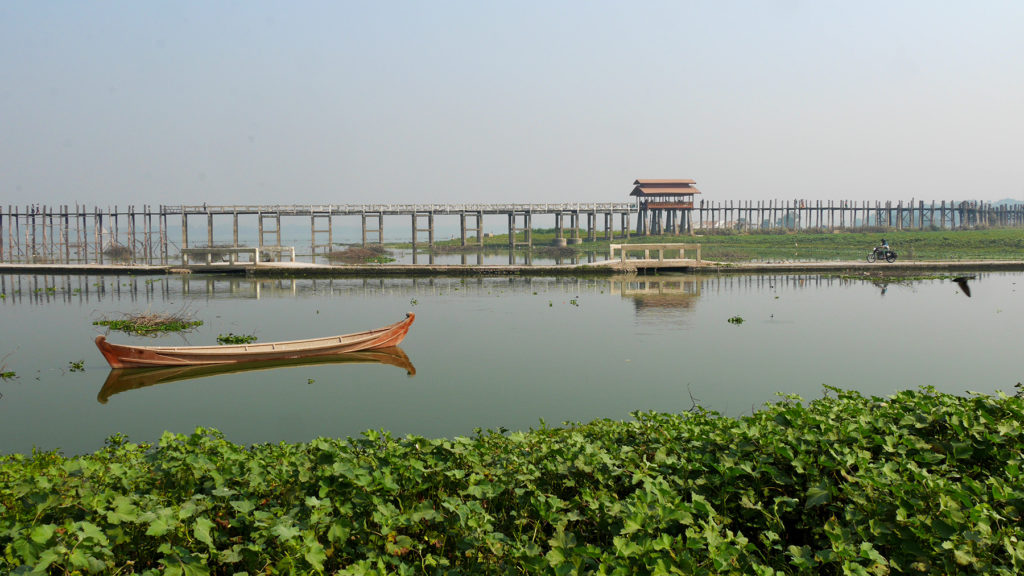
column 658, row 293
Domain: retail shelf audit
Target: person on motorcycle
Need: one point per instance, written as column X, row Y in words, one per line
column 885, row 245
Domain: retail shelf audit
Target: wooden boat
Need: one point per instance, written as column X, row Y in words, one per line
column 124, row 379
column 122, row 356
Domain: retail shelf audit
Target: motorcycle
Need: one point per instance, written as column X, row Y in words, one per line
column 882, row 252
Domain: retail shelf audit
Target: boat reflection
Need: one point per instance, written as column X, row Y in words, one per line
column 122, row 379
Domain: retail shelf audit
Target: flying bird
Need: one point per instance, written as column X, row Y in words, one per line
column 961, row 281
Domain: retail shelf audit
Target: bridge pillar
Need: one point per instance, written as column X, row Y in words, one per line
column 574, row 219
column 513, row 230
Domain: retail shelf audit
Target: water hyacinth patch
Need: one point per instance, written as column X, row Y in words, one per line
column 919, row 482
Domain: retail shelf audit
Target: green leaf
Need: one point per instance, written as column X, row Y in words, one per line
column 124, row 510
column 802, row 557
column 90, row 531
column 284, row 532
column 42, row 533
column 963, row 558
column 818, row 495
column 315, row 554
column 339, row 531
column 243, row 506
column 201, row 531
column 223, row 492
column 158, row 527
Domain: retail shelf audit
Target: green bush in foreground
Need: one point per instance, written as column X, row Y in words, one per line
column 920, row 482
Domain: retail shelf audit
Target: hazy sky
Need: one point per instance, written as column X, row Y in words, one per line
column 127, row 102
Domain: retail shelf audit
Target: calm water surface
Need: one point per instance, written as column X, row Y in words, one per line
column 492, row 353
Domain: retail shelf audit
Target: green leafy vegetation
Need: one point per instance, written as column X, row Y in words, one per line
column 379, row 260
column 76, row 366
column 148, row 324
column 916, row 483
column 232, row 338
column 6, row 374
column 372, row 254
column 781, row 245
column 736, row 320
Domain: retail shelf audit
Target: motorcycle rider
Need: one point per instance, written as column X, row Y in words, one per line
column 885, row 245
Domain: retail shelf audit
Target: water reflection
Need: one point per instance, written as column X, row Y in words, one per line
column 656, row 294
column 492, row 351
column 123, row 379
column 44, row 289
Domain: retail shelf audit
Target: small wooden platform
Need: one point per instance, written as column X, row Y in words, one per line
column 214, row 255
column 625, row 249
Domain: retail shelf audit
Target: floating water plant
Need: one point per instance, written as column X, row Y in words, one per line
column 913, row 483
column 232, row 338
column 150, row 323
column 736, row 320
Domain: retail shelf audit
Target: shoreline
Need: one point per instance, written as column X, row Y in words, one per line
column 604, row 268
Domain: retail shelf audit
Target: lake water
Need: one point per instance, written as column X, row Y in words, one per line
column 492, row 353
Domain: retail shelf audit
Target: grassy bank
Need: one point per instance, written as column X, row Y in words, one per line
column 729, row 246
column 920, row 482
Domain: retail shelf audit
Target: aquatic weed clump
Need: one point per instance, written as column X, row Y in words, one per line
column 916, row 483
column 150, row 323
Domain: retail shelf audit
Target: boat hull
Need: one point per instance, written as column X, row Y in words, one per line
column 124, row 356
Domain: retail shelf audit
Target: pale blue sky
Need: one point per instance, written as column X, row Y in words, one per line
column 128, row 102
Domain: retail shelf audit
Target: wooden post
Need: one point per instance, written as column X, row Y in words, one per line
column 164, row 241
column 209, row 227
column 147, row 211
column 98, row 223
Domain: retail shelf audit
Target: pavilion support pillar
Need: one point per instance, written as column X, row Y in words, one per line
column 274, row 217
column 379, row 217
column 319, row 233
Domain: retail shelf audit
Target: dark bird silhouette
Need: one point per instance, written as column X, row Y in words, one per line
column 961, row 281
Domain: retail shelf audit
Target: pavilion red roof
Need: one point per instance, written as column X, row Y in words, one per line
column 664, row 188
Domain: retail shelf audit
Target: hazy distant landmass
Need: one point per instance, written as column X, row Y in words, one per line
column 1006, row 201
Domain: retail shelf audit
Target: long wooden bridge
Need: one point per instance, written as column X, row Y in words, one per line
column 157, row 235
